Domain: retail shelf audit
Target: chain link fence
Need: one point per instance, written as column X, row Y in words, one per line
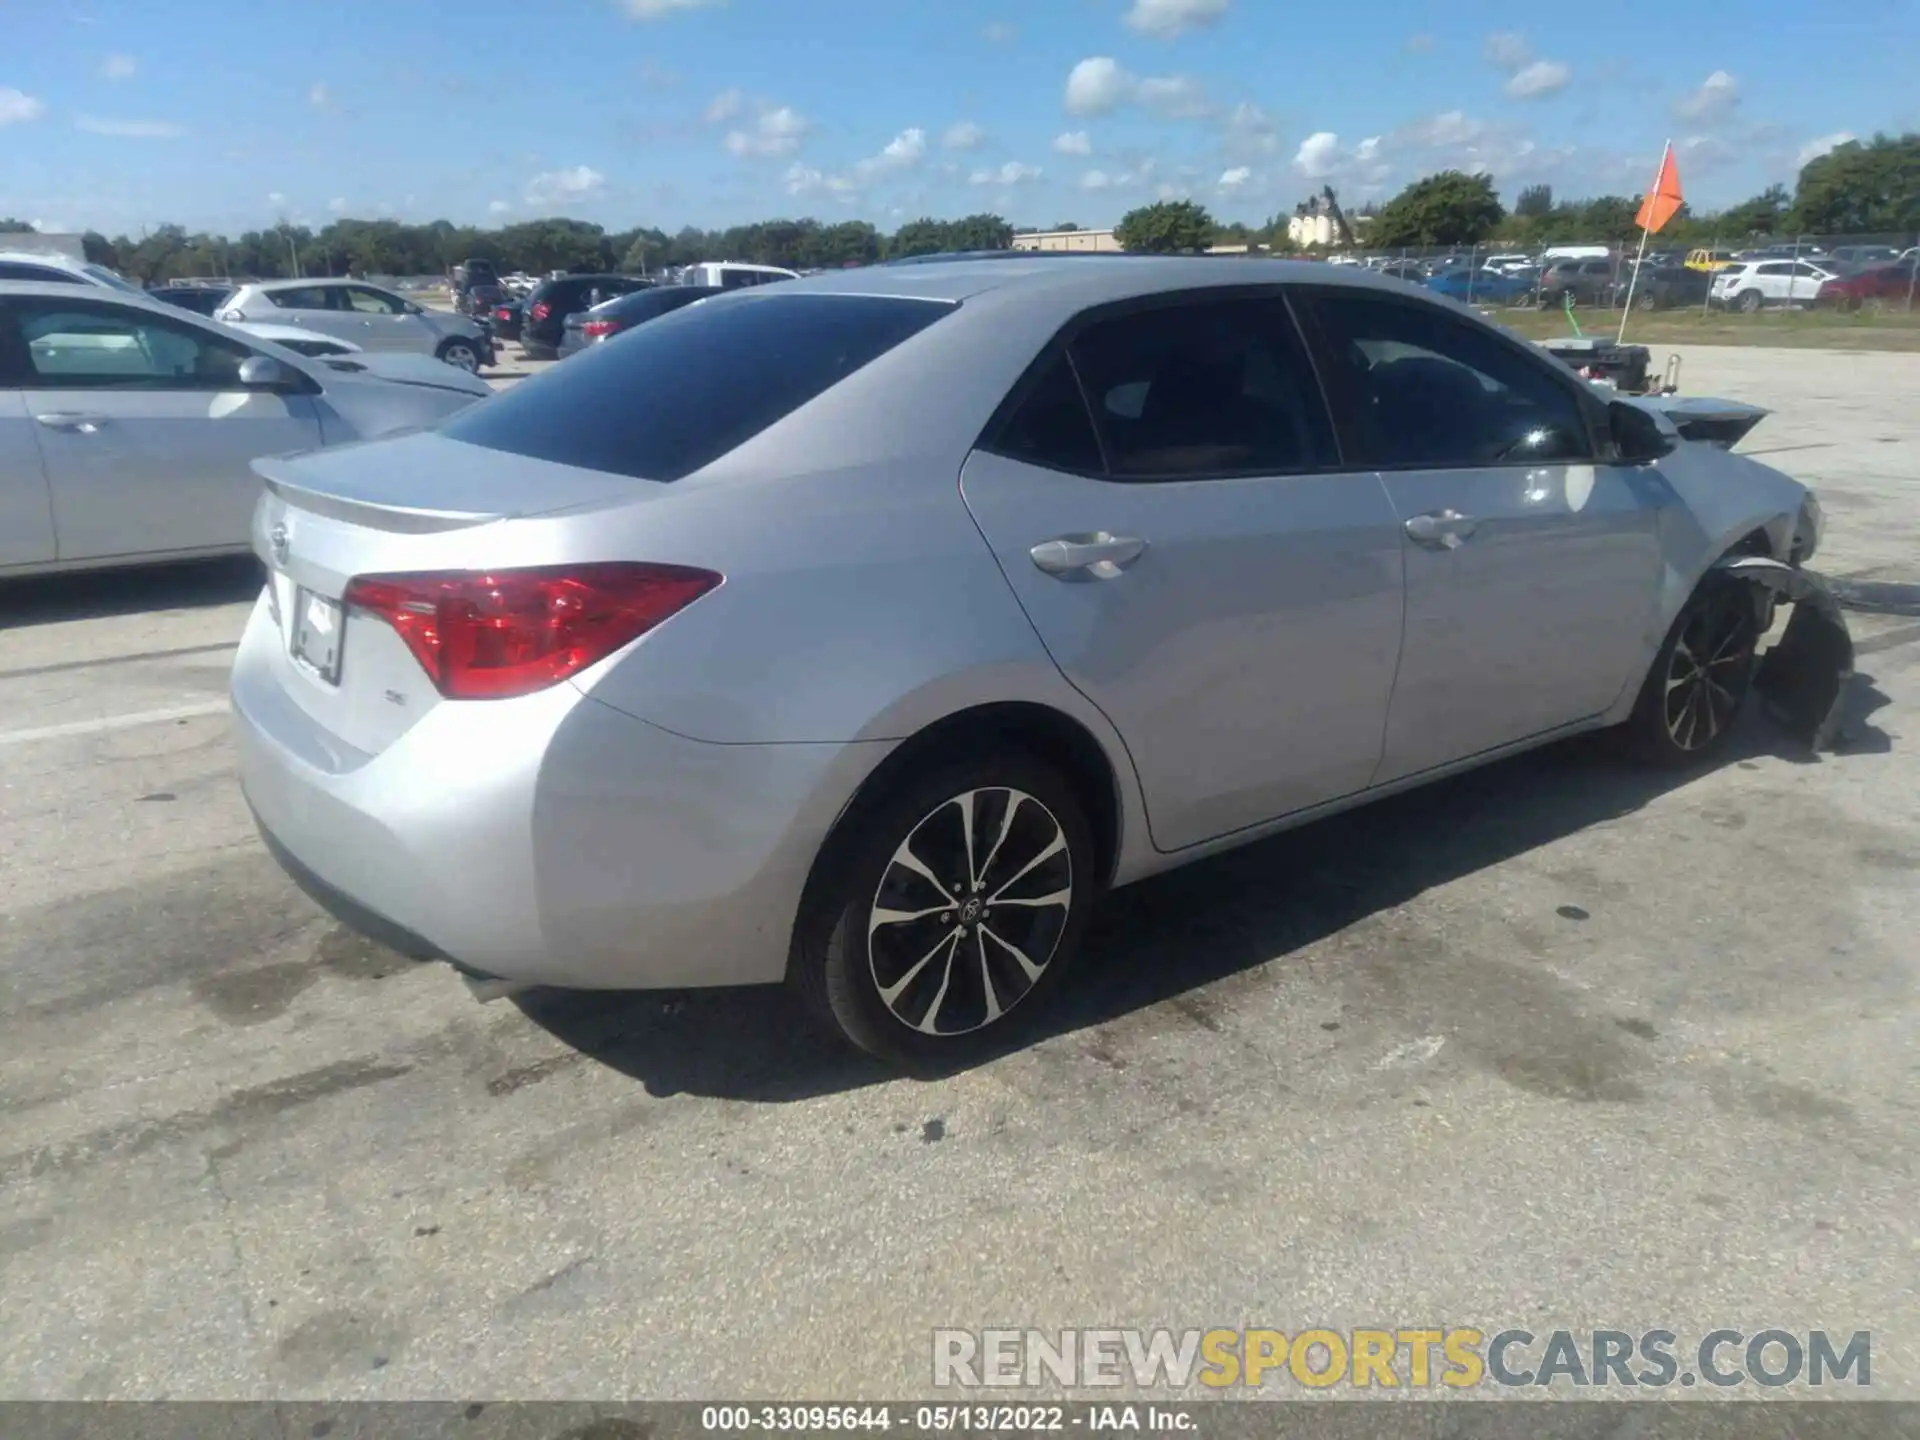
column 1873, row 273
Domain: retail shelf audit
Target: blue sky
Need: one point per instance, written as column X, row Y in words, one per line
column 116, row 114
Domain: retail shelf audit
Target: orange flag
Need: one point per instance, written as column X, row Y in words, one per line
column 1663, row 202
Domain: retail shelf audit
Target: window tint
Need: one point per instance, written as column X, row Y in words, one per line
column 1775, row 267
column 1051, row 427
column 72, row 347
column 306, row 297
column 685, row 389
column 372, row 302
column 1422, row 388
column 1203, row 388
column 11, row 270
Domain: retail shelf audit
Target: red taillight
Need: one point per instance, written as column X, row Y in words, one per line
column 503, row 312
column 540, row 311
column 486, row 636
column 599, row 329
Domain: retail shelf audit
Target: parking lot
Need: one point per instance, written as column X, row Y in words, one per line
column 1555, row 1045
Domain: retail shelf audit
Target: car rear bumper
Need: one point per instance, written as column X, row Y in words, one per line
column 549, row 839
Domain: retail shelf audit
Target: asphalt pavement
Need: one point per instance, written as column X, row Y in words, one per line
column 1558, row 1044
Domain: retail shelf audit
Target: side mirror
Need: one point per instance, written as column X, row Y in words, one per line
column 263, row 372
column 1637, row 436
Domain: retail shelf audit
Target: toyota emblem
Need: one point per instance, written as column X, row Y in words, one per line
column 281, row 542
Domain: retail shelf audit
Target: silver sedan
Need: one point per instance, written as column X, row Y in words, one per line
column 127, row 426
column 861, row 631
column 373, row 318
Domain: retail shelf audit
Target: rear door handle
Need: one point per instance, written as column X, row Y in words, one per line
column 1441, row 529
column 1100, row 554
column 72, row 421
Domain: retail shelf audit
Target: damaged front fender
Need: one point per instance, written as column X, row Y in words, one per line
column 1804, row 676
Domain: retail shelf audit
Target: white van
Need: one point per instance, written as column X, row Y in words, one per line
column 733, row 275
column 1574, row 252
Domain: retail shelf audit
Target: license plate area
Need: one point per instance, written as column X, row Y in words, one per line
column 318, row 633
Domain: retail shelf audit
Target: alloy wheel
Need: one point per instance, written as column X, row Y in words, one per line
column 1705, row 679
column 969, row 911
column 461, row 356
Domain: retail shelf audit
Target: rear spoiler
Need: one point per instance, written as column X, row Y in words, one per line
column 283, row 480
column 1716, row 422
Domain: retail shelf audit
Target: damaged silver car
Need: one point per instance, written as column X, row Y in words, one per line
column 860, row 631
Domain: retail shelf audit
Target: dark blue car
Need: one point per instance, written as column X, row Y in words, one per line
column 1493, row 287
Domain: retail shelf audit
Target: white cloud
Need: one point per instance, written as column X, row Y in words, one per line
column 999, row 32
column 338, row 205
column 498, row 207
column 723, row 106
column 1717, row 95
column 1318, row 155
column 904, row 151
column 805, row 180
column 1814, row 149
column 1542, row 77
column 15, row 107
column 1073, row 142
column 119, row 67
column 777, row 132
column 319, row 95
column 1096, row 180
column 1168, row 18
column 1097, row 85
column 660, row 9
column 559, row 187
column 1507, row 49
column 963, row 135
column 1449, row 129
column 1014, row 172
column 1235, row 178
column 1248, row 127
column 129, row 129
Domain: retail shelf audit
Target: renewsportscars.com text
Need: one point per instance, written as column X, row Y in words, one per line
column 1402, row 1357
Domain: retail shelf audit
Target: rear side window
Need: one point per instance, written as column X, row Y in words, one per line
column 309, row 297
column 683, row 390
column 1051, row 426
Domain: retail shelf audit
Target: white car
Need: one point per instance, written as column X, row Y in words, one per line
column 1751, row 285
column 128, row 426
column 372, row 318
column 301, row 342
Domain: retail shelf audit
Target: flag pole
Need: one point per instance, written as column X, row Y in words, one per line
column 1626, row 307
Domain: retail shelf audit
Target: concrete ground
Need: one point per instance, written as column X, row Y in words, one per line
column 1558, row 1044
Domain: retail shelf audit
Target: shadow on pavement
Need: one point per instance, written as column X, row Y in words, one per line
column 95, row 594
column 1161, row 939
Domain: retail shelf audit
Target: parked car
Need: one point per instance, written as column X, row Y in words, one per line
column 611, row 317
column 1588, row 282
column 1669, row 287
column 735, row 274
column 950, row 715
column 127, row 425
column 1405, row 270
column 477, row 299
column 1485, row 286
column 1753, row 284
column 373, row 318
column 1862, row 257
column 201, row 299
column 1709, row 260
column 1513, row 260
column 1876, row 287
column 505, row 318
column 552, row 301
column 52, row 269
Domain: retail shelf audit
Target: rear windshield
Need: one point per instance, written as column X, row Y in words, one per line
column 683, row 390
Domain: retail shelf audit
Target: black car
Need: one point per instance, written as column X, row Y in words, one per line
column 590, row 327
column 201, row 299
column 505, row 317
column 553, row 300
column 1669, row 287
column 477, row 300
column 1587, row 282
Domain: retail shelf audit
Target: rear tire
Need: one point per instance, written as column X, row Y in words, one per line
column 1700, row 678
column 934, row 934
column 1749, row 302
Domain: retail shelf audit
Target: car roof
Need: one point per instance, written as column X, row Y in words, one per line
column 41, row 257
column 1083, row 279
column 61, row 290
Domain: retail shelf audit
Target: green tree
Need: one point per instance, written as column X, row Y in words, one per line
column 979, row 232
column 1063, row 226
column 1451, row 208
column 1861, row 188
column 1764, row 214
column 925, row 236
column 1535, row 202
column 1608, row 217
column 11, row 226
column 1168, row 227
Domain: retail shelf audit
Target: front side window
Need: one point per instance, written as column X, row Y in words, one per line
column 73, row 347
column 683, row 390
column 374, row 302
column 1203, row 388
column 1423, row 389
